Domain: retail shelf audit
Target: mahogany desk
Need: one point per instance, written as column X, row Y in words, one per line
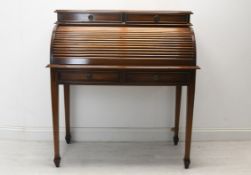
column 123, row 48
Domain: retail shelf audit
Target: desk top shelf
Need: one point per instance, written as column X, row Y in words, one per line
column 179, row 18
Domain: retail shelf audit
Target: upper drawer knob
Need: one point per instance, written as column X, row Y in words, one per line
column 90, row 17
column 88, row 76
column 156, row 18
column 156, row 77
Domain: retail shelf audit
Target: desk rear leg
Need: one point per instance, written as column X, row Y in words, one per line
column 177, row 114
column 67, row 112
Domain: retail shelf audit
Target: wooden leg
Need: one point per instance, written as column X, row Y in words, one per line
column 177, row 114
column 54, row 99
column 189, row 120
column 67, row 112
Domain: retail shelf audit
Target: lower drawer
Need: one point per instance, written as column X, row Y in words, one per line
column 157, row 77
column 88, row 76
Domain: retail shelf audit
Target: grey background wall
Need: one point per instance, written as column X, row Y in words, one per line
column 109, row 113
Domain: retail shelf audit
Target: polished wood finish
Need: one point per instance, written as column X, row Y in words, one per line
column 189, row 119
column 80, row 76
column 123, row 46
column 177, row 114
column 67, row 112
column 55, row 116
column 181, row 18
column 147, row 48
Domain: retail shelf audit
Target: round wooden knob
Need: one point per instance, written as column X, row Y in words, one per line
column 88, row 76
column 156, row 18
column 156, row 77
column 90, row 17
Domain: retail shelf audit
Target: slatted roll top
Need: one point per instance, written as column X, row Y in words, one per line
column 142, row 38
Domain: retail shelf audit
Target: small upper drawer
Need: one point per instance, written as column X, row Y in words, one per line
column 158, row 18
column 85, row 17
column 157, row 77
column 88, row 76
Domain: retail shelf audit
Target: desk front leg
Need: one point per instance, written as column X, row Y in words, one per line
column 55, row 117
column 189, row 119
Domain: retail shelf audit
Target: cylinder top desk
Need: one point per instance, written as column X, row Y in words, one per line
column 148, row 48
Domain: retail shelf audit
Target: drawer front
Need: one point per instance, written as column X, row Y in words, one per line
column 89, row 17
column 158, row 18
column 85, row 76
column 157, row 77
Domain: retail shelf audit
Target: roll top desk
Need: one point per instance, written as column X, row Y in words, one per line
column 148, row 48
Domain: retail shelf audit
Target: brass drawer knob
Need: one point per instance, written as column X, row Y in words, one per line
column 90, row 17
column 156, row 77
column 156, row 18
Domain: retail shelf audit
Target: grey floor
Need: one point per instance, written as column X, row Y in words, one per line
column 208, row 158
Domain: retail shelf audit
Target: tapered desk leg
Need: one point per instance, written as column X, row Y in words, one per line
column 177, row 114
column 54, row 99
column 67, row 112
column 189, row 120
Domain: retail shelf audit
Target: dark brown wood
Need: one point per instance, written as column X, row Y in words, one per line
column 189, row 119
column 157, row 18
column 147, row 48
column 123, row 77
column 177, row 114
column 157, row 77
column 126, row 17
column 55, row 116
column 67, row 112
column 89, row 76
column 122, row 67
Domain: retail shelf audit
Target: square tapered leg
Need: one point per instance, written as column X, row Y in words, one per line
column 67, row 112
column 189, row 119
column 55, row 117
column 177, row 114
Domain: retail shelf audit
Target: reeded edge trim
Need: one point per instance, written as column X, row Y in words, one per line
column 194, row 44
column 51, row 44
